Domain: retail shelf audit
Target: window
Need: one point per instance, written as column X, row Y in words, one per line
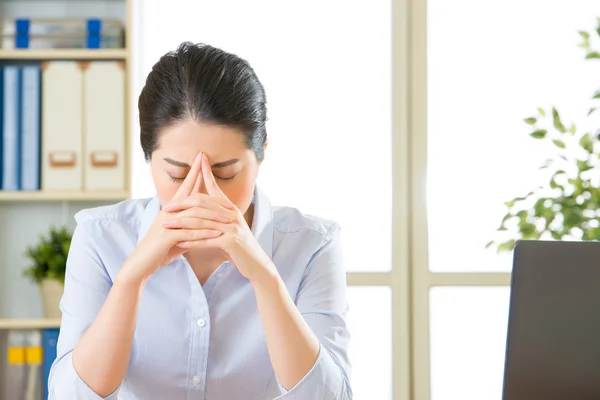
column 489, row 65
column 487, row 71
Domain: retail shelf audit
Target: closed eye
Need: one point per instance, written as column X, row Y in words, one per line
column 225, row 179
column 176, row 179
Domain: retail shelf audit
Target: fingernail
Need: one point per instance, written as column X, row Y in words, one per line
column 216, row 233
column 168, row 222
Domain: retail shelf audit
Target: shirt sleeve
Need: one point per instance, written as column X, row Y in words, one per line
column 322, row 302
column 87, row 284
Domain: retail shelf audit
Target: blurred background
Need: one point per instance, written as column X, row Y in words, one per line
column 436, row 132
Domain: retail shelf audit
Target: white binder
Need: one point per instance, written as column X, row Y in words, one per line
column 104, row 125
column 62, row 125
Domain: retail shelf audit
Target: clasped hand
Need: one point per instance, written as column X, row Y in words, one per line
column 215, row 221
column 195, row 220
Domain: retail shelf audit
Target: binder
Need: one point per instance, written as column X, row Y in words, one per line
column 16, row 379
column 54, row 33
column 1, row 125
column 30, row 124
column 33, row 359
column 11, row 128
column 104, row 126
column 62, row 96
column 49, row 341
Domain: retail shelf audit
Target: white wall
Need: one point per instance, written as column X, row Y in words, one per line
column 326, row 70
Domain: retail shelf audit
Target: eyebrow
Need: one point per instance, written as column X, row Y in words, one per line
column 215, row 165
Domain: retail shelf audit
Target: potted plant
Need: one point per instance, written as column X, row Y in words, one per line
column 567, row 206
column 49, row 264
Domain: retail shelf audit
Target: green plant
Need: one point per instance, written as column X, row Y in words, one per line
column 49, row 256
column 568, row 205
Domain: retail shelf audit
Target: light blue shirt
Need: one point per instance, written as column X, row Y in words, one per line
column 206, row 342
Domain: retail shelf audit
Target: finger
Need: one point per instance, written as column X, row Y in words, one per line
column 190, row 180
column 219, row 204
column 191, row 235
column 198, row 184
column 221, row 215
column 195, row 223
column 215, row 242
column 209, row 179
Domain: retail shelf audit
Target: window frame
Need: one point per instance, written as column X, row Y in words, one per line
column 421, row 278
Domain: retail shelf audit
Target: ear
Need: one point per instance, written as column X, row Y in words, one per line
column 264, row 150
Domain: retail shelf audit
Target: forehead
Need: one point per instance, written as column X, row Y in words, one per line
column 184, row 140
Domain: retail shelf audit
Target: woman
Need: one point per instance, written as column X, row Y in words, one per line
column 205, row 291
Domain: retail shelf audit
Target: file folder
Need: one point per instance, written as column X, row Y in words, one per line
column 104, row 126
column 62, row 96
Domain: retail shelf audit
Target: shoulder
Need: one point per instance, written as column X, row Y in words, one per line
column 290, row 220
column 109, row 233
column 307, row 248
column 129, row 211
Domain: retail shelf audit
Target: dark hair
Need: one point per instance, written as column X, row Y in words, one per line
column 207, row 84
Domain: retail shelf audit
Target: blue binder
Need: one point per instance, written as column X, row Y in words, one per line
column 49, row 340
column 94, row 33
column 11, row 128
column 30, row 128
column 22, row 33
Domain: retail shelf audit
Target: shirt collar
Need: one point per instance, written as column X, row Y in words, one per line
column 262, row 222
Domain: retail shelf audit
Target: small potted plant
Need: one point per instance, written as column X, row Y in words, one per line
column 49, row 264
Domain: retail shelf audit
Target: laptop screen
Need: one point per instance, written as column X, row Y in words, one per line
column 553, row 343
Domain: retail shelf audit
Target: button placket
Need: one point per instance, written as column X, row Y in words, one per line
column 200, row 315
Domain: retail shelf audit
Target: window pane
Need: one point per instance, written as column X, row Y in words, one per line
column 370, row 322
column 488, row 69
column 468, row 340
column 329, row 100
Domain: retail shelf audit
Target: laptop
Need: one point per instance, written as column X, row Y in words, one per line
column 553, row 339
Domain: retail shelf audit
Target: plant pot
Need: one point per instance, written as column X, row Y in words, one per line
column 52, row 291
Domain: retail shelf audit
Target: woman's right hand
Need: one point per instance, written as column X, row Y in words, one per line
column 159, row 245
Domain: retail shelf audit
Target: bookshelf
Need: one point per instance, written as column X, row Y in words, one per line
column 64, row 54
column 62, row 196
column 25, row 215
column 28, row 323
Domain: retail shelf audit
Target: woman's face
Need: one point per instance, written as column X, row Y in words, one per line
column 234, row 166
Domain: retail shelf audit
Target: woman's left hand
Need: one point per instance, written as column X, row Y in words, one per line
column 236, row 241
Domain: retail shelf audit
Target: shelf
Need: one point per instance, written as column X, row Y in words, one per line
column 22, row 323
column 61, row 196
column 63, row 54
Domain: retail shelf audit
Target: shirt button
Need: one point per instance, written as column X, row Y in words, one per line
column 201, row 323
column 196, row 380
